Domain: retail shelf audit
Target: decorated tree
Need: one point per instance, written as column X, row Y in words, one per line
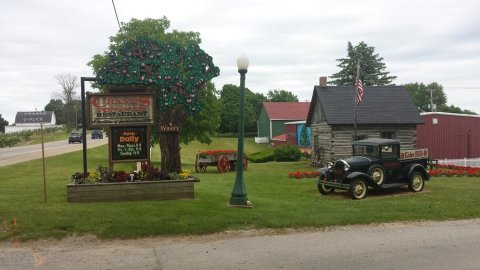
column 175, row 72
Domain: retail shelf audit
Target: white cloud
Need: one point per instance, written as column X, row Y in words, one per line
column 290, row 44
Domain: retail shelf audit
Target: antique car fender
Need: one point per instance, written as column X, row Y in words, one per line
column 356, row 175
column 417, row 168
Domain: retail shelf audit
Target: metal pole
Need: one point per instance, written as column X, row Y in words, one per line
column 84, row 119
column 355, row 93
column 239, row 193
column 43, row 161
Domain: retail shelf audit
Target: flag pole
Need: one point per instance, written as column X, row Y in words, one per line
column 355, row 103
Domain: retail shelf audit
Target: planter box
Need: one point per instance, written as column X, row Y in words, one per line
column 131, row 191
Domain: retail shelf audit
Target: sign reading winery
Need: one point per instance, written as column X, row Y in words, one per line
column 129, row 143
column 120, row 109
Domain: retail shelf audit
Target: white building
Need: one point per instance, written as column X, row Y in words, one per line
column 32, row 121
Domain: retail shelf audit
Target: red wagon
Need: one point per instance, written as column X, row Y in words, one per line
column 225, row 160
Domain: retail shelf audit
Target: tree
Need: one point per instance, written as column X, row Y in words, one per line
column 174, row 67
column 281, row 96
column 372, row 69
column 230, row 108
column 423, row 95
column 69, row 97
column 3, row 123
column 57, row 106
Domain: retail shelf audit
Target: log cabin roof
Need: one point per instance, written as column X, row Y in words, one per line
column 380, row 105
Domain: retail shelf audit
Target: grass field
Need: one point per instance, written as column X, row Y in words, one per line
column 279, row 202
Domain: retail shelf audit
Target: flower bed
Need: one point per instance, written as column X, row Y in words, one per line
column 300, row 175
column 147, row 184
column 216, row 152
column 452, row 170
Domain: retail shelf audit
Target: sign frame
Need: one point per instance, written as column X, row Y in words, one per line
column 119, row 109
column 129, row 131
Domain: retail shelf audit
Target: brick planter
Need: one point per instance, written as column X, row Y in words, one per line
column 132, row 191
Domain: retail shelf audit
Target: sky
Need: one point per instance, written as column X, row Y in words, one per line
column 290, row 44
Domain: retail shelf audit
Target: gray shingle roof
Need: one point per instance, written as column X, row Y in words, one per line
column 380, row 105
column 36, row 117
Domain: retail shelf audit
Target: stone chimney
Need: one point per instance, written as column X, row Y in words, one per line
column 323, row 82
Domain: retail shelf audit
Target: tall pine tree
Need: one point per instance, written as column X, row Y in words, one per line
column 372, row 69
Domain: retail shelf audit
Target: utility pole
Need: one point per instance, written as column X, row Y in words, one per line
column 431, row 99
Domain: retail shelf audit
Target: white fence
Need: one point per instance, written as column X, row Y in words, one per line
column 472, row 162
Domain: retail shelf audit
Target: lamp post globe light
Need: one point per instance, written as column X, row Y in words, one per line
column 239, row 193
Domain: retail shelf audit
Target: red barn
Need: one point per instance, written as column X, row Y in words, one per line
column 450, row 135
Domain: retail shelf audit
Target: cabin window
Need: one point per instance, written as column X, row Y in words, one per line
column 387, row 135
column 361, row 137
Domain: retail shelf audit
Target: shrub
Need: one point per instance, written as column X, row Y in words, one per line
column 261, row 157
column 287, row 152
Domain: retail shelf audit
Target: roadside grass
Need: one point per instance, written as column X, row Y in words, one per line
column 279, row 202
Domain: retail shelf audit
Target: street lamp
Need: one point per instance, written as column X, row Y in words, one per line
column 239, row 193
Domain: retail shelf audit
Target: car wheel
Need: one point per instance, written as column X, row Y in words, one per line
column 377, row 173
column 322, row 188
column 417, row 182
column 358, row 189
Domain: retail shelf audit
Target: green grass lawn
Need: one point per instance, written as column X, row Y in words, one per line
column 279, row 202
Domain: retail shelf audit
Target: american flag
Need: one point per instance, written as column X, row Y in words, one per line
column 359, row 92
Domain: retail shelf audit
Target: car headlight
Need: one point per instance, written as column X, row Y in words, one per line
column 347, row 167
column 329, row 165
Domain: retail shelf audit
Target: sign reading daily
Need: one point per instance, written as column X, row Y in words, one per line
column 120, row 109
column 129, row 143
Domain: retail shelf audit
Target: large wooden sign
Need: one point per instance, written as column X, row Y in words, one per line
column 106, row 110
column 129, row 144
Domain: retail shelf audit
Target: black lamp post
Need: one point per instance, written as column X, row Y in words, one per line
column 239, row 193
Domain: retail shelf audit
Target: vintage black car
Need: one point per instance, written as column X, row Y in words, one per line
column 75, row 137
column 377, row 164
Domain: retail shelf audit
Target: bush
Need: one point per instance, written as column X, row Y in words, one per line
column 261, row 157
column 287, row 152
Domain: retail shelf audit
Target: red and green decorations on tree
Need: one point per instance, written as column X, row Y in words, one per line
column 175, row 72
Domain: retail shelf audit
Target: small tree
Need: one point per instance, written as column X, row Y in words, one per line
column 372, row 69
column 68, row 95
column 3, row 124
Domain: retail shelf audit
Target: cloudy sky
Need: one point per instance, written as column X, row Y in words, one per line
column 290, row 43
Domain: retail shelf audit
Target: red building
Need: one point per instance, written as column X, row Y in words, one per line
column 450, row 135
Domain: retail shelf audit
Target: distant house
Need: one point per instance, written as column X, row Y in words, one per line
column 273, row 116
column 450, row 135
column 385, row 112
column 295, row 133
column 32, row 121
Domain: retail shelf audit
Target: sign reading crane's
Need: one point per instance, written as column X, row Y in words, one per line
column 120, row 109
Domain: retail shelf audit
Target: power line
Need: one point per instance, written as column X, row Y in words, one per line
column 116, row 15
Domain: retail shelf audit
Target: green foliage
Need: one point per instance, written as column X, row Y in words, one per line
column 9, row 140
column 372, row 69
column 420, row 94
column 281, row 96
column 261, row 157
column 229, row 97
column 57, row 106
column 204, row 124
column 423, row 95
column 3, row 123
column 174, row 72
column 287, row 152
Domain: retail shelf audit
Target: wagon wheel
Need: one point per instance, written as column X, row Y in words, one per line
column 200, row 167
column 223, row 164
column 245, row 162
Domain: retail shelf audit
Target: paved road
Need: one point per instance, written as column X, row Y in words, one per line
column 422, row 245
column 12, row 155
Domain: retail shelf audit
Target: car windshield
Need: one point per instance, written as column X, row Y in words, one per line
column 365, row 150
column 75, row 134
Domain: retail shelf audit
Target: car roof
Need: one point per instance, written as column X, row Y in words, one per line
column 376, row 141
